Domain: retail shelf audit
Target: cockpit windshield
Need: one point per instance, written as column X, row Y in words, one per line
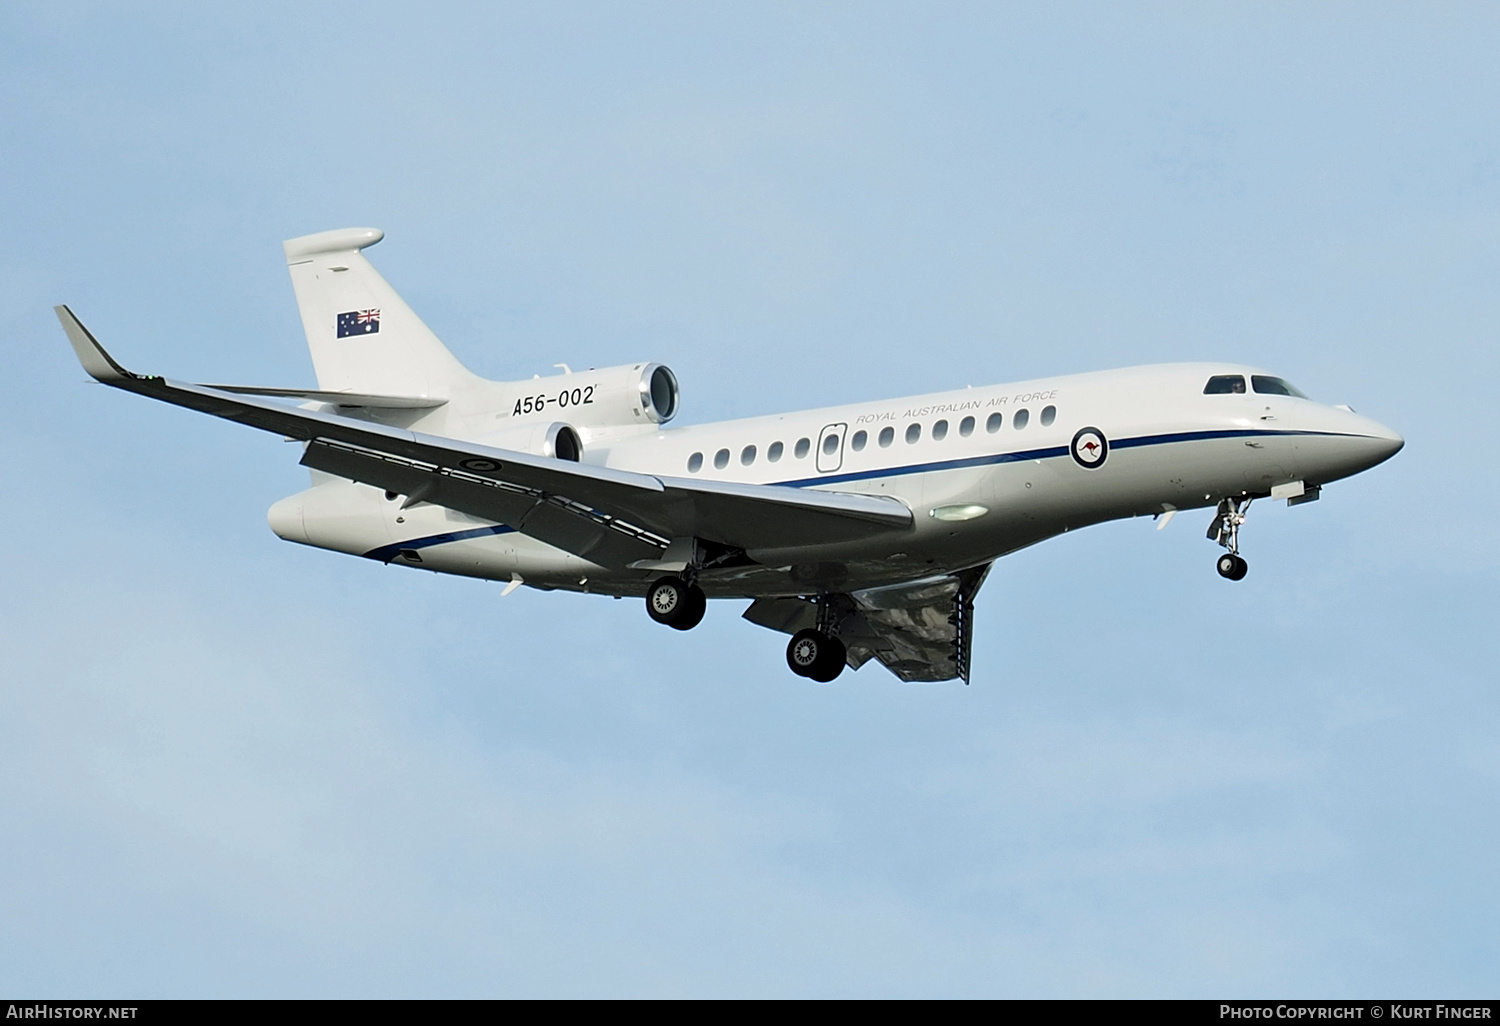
column 1264, row 384
column 1225, row 384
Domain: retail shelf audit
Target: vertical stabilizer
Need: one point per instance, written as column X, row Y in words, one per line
column 363, row 336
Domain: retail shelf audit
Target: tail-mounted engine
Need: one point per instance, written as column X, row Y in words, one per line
column 543, row 438
column 642, row 394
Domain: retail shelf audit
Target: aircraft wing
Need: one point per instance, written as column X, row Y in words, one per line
column 922, row 631
column 610, row 517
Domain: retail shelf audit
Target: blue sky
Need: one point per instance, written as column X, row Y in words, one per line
column 233, row 766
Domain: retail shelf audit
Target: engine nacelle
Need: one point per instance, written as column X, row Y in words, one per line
column 641, row 394
column 554, row 439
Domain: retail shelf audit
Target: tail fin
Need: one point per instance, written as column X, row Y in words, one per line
column 363, row 336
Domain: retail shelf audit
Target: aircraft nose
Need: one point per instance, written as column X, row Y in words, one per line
column 1389, row 442
column 1374, row 443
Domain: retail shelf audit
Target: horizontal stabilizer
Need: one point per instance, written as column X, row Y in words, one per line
column 102, row 367
column 380, row 402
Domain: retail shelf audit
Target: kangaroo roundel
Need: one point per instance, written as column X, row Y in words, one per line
column 1089, row 448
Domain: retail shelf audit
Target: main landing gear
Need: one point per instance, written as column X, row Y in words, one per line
column 816, row 652
column 677, row 603
column 816, row 655
column 1225, row 530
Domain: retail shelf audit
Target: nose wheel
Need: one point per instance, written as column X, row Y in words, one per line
column 1225, row 530
column 1233, row 567
column 816, row 655
column 676, row 603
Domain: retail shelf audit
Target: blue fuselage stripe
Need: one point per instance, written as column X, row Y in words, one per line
column 386, row 553
column 925, row 468
column 1051, row 452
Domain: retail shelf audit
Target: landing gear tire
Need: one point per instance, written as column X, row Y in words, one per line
column 1233, row 567
column 674, row 602
column 816, row 655
column 692, row 612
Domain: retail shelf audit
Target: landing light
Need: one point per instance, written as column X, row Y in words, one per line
column 966, row 511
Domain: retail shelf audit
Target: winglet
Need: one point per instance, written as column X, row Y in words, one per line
column 91, row 354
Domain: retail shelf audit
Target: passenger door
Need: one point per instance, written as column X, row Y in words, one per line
column 831, row 448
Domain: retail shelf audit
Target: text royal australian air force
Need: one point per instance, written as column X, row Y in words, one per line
column 956, row 406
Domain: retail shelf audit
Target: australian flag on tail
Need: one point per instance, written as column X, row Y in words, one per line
column 359, row 322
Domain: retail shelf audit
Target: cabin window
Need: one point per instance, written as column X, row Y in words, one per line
column 857, row 443
column 966, row 426
column 747, row 455
column 940, row 431
column 721, row 459
column 1049, row 414
column 1264, row 384
column 913, row 432
column 993, row 424
column 695, row 463
column 887, row 436
column 831, row 444
column 1021, row 419
column 774, row 452
column 1225, row 384
column 800, row 451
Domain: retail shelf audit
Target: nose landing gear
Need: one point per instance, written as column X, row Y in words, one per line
column 1225, row 530
column 676, row 603
column 1233, row 566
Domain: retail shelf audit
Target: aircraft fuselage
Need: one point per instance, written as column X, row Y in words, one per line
column 986, row 471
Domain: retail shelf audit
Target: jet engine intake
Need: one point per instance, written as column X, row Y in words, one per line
column 562, row 442
column 554, row 439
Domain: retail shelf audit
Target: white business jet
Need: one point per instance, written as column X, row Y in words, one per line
column 863, row 531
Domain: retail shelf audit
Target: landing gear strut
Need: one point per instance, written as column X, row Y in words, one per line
column 1226, row 531
column 676, row 603
column 816, row 652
